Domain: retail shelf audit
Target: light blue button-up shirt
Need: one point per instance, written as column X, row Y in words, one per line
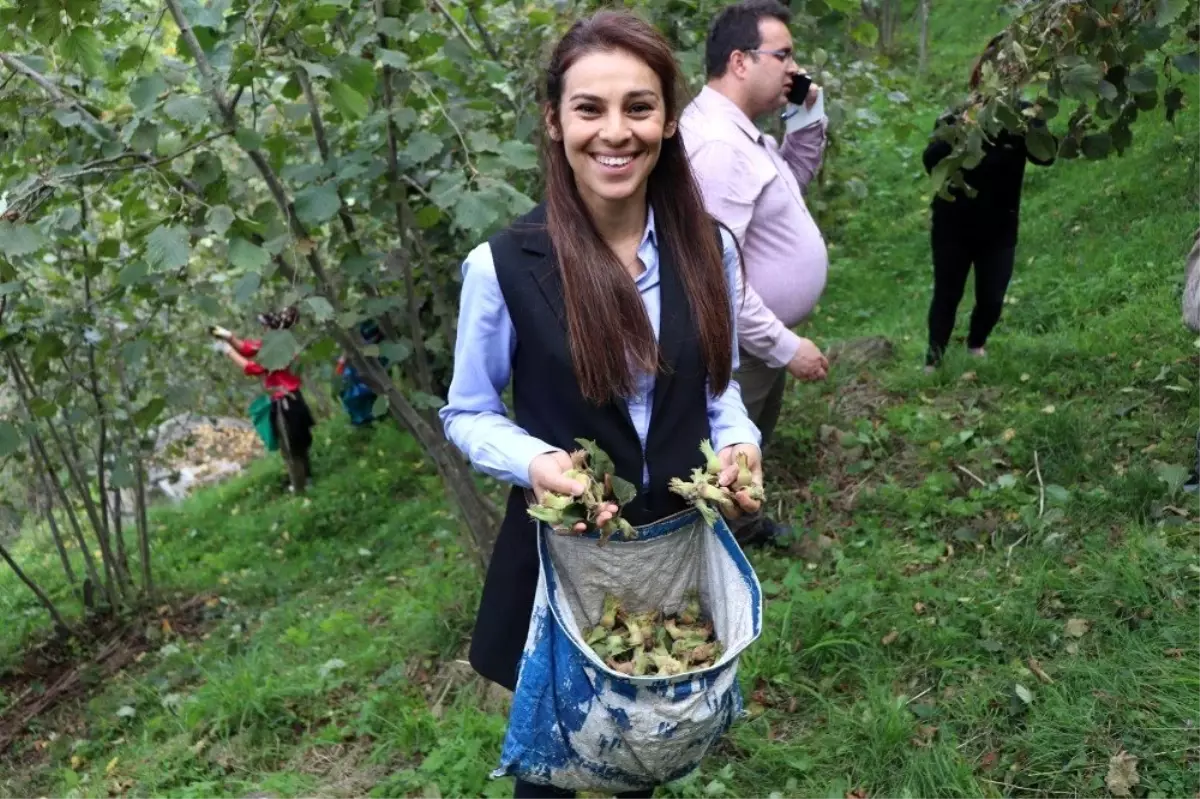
column 474, row 417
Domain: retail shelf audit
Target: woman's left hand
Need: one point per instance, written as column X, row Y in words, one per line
column 729, row 473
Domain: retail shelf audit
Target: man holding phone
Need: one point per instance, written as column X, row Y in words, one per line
column 756, row 188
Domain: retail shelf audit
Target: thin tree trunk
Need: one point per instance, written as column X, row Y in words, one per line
column 101, row 411
column 46, row 506
column 36, row 589
column 51, row 477
column 25, row 389
column 405, row 221
column 143, row 527
column 118, row 525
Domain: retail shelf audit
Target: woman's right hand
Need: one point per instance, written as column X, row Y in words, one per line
column 546, row 474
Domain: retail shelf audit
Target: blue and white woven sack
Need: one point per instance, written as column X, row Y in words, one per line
column 575, row 723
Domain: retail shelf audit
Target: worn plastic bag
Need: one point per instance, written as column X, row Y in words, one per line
column 260, row 415
column 578, row 725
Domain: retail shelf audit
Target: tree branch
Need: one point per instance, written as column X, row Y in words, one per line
column 48, row 86
column 38, row 592
column 405, row 220
column 461, row 32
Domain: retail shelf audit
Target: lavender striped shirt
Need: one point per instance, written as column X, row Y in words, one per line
column 757, row 189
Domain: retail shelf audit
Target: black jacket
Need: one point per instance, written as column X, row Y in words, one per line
column 992, row 215
column 548, row 404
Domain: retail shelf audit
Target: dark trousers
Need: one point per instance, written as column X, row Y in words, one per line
column 527, row 790
column 953, row 257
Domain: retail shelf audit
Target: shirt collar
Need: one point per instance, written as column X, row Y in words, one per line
column 651, row 234
column 720, row 104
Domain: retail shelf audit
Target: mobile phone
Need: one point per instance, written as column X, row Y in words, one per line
column 799, row 91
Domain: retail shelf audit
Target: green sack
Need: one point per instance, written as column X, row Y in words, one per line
column 260, row 415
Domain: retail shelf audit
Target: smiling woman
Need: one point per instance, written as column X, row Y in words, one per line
column 610, row 307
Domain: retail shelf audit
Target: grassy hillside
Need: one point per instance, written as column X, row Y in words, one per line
column 1003, row 597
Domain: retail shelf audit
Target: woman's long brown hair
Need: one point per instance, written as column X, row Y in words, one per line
column 608, row 330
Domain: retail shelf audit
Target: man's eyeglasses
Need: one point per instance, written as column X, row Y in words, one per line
column 783, row 56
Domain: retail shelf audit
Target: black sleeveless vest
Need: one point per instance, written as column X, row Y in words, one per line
column 548, row 404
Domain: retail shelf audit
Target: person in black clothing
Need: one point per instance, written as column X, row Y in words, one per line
column 979, row 231
column 610, row 306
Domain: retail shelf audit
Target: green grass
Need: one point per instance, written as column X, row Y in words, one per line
column 889, row 665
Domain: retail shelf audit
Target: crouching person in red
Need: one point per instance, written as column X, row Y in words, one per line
column 291, row 420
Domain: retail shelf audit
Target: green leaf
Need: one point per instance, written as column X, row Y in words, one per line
column 316, row 70
column 317, row 204
column 423, row 401
column 1040, row 143
column 390, row 26
column 12, row 287
column 598, row 460
column 1023, row 693
column 520, row 155
column 10, row 439
column 403, row 118
column 347, row 101
column 422, row 146
column 475, row 212
column 865, row 34
column 1097, row 145
column 145, row 137
column 428, row 216
column 220, row 217
column 320, row 307
column 1082, row 80
column 1143, row 79
column 484, row 140
column 167, row 247
column 108, row 248
column 247, row 287
column 1153, row 37
column 1108, row 91
column 1187, row 62
column 146, row 415
column 623, row 490
column 1173, row 102
column 83, row 47
column 247, row 256
column 146, row 90
column 133, row 274
column 278, row 349
column 396, row 351
column 380, row 406
column 133, row 352
column 249, row 139
column 21, row 239
column 393, row 58
column 358, row 74
column 1168, row 10
column 186, row 110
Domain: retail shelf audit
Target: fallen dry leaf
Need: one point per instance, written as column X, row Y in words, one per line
column 1010, row 434
column 1048, row 409
column 1173, row 653
column 1036, row 668
column 890, row 638
column 924, row 736
column 989, row 761
column 1122, row 774
column 857, row 793
column 919, row 608
column 1077, row 628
